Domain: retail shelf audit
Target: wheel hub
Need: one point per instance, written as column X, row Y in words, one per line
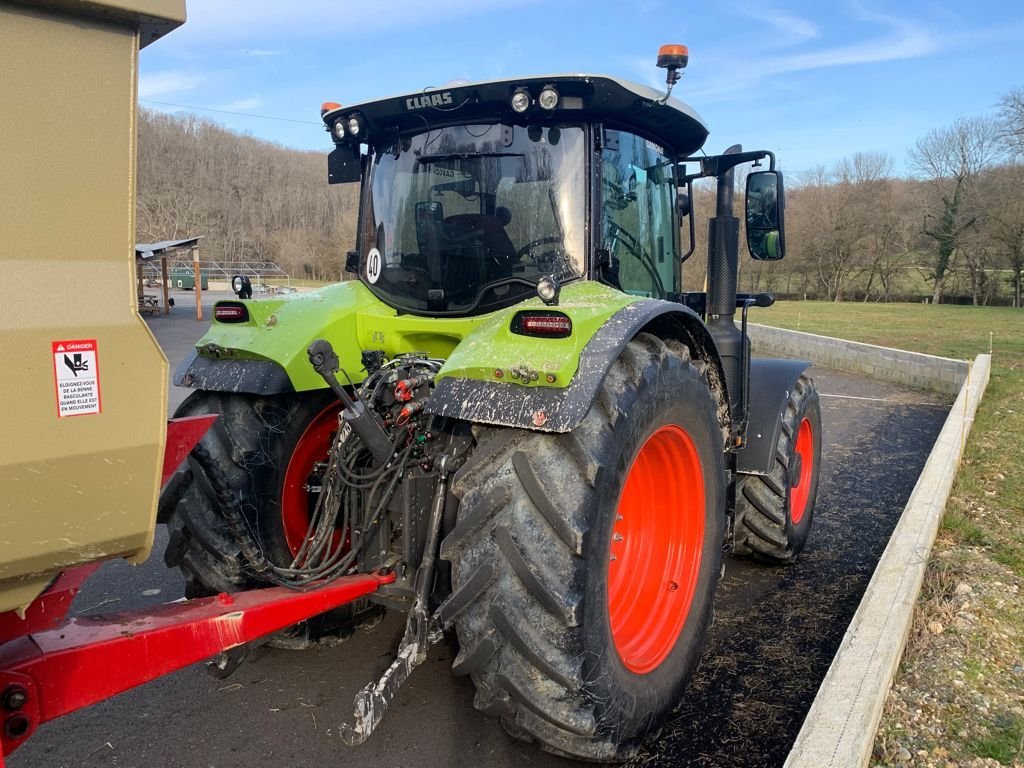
column 655, row 549
column 804, row 455
column 297, row 494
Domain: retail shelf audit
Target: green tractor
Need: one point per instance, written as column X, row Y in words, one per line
column 515, row 408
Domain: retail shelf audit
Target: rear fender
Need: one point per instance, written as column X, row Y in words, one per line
column 771, row 381
column 266, row 354
column 550, row 409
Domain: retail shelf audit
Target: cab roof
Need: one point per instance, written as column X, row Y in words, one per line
column 617, row 103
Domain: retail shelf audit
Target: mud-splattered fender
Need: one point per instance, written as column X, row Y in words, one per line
column 264, row 377
column 266, row 354
column 771, row 381
column 550, row 409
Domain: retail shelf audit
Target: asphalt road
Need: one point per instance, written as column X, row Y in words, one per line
column 774, row 635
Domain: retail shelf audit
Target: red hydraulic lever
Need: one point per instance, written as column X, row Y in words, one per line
column 86, row 660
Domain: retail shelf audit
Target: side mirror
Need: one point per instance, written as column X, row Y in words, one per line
column 683, row 204
column 344, row 165
column 766, row 233
column 684, row 209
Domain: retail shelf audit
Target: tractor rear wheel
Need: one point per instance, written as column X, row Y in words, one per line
column 584, row 564
column 264, row 452
column 774, row 511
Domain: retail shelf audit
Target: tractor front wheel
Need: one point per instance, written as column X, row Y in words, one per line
column 774, row 511
column 584, row 564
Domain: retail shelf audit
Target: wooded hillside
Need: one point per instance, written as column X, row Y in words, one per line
column 252, row 200
column 953, row 232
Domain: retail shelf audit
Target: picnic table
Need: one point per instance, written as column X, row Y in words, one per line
column 149, row 303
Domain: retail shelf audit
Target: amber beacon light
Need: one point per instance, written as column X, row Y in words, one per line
column 673, row 57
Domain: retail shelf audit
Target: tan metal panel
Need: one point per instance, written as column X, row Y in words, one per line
column 80, row 488
column 152, row 18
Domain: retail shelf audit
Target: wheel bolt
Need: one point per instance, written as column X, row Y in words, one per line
column 617, row 537
column 672, row 586
column 17, row 726
column 15, row 697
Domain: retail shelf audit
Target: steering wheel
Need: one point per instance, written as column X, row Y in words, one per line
column 527, row 250
column 633, row 246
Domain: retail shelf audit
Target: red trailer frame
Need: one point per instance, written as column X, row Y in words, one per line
column 82, row 661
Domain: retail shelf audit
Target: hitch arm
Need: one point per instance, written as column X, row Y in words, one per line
column 420, row 628
column 325, row 362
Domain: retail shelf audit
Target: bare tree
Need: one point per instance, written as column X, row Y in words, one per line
column 253, row 200
column 951, row 159
column 1011, row 122
column 836, row 222
column 1004, row 201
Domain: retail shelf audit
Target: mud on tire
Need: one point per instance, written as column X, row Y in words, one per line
column 530, row 558
column 773, row 516
column 247, row 449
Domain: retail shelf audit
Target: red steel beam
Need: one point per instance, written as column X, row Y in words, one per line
column 86, row 660
column 49, row 609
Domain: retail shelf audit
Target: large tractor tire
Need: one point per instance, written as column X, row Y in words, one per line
column 262, row 451
column 774, row 511
column 584, row 564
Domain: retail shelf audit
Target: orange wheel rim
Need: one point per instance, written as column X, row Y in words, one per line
column 655, row 550
column 800, row 494
column 296, row 501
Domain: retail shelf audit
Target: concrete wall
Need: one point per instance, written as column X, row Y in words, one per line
column 839, row 730
column 912, row 369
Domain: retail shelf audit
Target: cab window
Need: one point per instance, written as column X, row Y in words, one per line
column 637, row 193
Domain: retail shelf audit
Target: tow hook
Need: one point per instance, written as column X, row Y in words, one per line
column 226, row 663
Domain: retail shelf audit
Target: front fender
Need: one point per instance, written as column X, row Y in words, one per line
column 771, row 381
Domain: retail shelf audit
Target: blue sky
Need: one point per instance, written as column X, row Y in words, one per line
column 812, row 81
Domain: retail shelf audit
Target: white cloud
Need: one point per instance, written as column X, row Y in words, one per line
column 240, row 105
column 166, row 83
column 903, row 40
column 791, row 28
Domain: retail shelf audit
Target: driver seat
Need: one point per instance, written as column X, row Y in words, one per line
column 490, row 230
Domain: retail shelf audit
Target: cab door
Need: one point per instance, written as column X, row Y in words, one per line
column 638, row 249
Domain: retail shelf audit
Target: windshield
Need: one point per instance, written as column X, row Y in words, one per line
column 465, row 220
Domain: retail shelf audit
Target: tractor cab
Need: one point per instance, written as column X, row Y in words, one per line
column 475, row 193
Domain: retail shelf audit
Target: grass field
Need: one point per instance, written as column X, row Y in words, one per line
column 957, row 700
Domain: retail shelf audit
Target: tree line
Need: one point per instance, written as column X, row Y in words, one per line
column 953, row 230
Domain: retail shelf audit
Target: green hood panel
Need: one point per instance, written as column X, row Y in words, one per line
column 352, row 319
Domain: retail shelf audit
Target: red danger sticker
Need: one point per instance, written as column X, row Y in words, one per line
column 76, row 374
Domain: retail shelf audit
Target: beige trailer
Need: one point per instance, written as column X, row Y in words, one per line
column 84, row 384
